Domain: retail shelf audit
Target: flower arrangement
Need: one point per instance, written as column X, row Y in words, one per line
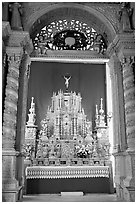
column 83, row 151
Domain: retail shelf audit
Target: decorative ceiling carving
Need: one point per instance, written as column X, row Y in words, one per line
column 41, row 15
column 68, row 35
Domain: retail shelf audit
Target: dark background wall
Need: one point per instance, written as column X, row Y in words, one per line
column 47, row 77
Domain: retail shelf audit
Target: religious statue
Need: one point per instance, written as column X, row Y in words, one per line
column 124, row 17
column 67, row 78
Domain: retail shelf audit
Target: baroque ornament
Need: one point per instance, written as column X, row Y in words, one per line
column 68, row 35
column 66, row 134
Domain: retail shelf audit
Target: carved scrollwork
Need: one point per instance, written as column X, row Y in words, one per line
column 10, row 110
column 128, row 84
column 28, row 151
column 9, row 123
column 14, row 60
column 10, row 104
column 12, row 83
column 127, row 73
column 69, row 35
column 11, row 94
column 130, row 109
column 128, row 61
column 13, row 72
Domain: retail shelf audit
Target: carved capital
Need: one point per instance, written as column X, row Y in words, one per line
column 14, row 60
column 128, row 61
column 20, row 40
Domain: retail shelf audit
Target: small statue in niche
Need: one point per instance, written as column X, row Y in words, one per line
column 39, row 152
column 52, row 153
column 28, row 151
column 98, row 44
column 58, row 151
column 45, row 151
column 124, row 17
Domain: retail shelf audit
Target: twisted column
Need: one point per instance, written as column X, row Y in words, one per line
column 9, row 183
column 10, row 105
column 128, row 65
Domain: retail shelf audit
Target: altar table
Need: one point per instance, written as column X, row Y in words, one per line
column 55, row 179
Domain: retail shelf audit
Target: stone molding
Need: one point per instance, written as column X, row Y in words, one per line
column 20, row 39
column 94, row 13
column 6, row 29
column 123, row 45
column 71, row 56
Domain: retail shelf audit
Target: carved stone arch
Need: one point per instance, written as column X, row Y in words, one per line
column 92, row 15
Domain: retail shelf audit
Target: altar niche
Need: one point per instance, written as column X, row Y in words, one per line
column 68, row 145
column 67, row 137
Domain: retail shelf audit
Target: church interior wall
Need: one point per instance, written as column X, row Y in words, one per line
column 121, row 42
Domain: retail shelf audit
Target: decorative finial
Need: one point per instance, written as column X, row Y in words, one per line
column 96, row 110
column 101, row 106
column 32, row 114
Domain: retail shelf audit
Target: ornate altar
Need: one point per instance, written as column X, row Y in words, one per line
column 67, row 145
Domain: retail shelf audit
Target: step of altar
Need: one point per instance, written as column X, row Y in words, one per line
column 72, row 193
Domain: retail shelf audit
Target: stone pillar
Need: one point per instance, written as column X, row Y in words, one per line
column 21, row 117
column 122, row 51
column 119, row 140
column 10, row 184
column 128, row 66
column 17, row 43
column 6, row 30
